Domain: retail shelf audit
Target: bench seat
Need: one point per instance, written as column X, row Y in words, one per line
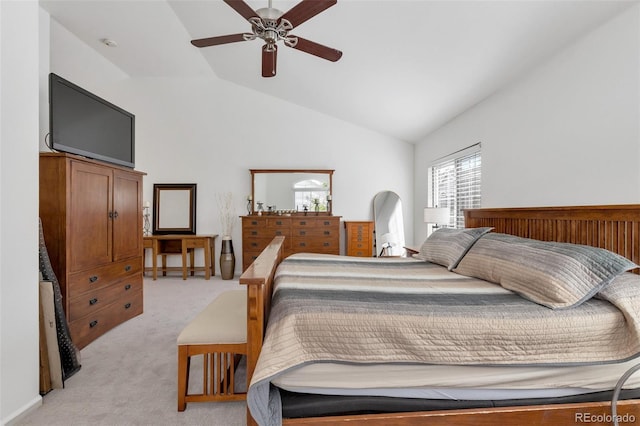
column 219, row 333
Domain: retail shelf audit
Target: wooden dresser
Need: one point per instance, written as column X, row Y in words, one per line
column 359, row 238
column 91, row 216
column 313, row 234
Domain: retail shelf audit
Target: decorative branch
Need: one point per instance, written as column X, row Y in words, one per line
column 228, row 217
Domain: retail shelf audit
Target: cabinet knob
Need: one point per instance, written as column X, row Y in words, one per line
column 93, row 323
column 93, row 301
column 127, row 268
column 93, row 278
column 127, row 287
column 127, row 306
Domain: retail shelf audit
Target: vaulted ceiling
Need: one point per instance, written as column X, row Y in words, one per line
column 408, row 66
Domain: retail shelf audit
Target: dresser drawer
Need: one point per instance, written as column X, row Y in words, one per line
column 324, row 232
column 258, row 244
column 304, row 222
column 279, row 223
column 315, row 245
column 248, row 256
column 359, row 238
column 266, row 233
column 95, row 300
column 82, row 282
column 328, row 222
column 87, row 329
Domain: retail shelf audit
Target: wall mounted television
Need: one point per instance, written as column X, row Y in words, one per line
column 84, row 124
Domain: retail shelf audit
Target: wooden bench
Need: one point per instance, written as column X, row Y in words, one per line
column 219, row 334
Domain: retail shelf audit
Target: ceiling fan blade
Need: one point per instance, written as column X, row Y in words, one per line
column 213, row 41
column 306, row 10
column 242, row 8
column 269, row 55
column 316, row 49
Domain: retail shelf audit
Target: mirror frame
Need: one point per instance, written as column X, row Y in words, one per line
column 329, row 172
column 188, row 212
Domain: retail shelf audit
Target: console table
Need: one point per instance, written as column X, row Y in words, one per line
column 163, row 245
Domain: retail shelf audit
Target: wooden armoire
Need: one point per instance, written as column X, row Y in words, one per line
column 91, row 216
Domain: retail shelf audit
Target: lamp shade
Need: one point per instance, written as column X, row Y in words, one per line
column 437, row 215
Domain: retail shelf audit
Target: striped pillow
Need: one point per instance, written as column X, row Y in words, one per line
column 446, row 246
column 556, row 275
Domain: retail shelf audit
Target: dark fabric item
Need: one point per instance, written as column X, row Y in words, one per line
column 300, row 405
column 68, row 351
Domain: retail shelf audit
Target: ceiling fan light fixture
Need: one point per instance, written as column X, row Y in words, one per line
column 269, row 13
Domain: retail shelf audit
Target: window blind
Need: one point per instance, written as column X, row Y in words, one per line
column 456, row 183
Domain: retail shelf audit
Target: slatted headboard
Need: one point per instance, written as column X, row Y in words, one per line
column 612, row 227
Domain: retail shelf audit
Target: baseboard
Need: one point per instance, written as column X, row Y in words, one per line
column 15, row 417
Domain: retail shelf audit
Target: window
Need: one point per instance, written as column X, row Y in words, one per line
column 455, row 183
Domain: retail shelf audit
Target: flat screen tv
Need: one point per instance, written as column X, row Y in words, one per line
column 85, row 124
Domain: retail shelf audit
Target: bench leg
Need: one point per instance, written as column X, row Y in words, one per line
column 184, row 362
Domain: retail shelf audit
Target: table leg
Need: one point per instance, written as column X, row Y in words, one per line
column 192, row 258
column 154, row 262
column 212, row 250
column 184, row 259
column 207, row 259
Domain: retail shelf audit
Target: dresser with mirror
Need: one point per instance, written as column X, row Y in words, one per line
column 296, row 204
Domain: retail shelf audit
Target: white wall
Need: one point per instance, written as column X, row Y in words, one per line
column 567, row 133
column 19, row 361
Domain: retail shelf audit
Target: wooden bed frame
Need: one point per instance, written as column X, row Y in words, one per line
column 615, row 228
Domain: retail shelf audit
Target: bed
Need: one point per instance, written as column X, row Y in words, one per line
column 612, row 340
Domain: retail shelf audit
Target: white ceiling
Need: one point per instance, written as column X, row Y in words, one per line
column 408, row 66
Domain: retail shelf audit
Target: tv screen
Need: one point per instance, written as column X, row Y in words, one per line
column 85, row 124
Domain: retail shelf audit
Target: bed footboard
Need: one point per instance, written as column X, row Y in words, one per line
column 259, row 281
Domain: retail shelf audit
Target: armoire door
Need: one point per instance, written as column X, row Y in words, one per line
column 127, row 220
column 90, row 222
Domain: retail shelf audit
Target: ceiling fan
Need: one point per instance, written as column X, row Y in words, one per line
column 272, row 25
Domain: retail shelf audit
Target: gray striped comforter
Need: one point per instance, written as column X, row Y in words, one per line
column 398, row 310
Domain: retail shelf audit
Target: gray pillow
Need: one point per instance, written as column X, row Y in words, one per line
column 556, row 275
column 446, row 246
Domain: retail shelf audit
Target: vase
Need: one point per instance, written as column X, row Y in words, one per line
column 227, row 259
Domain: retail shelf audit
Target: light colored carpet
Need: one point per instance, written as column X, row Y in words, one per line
column 129, row 375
